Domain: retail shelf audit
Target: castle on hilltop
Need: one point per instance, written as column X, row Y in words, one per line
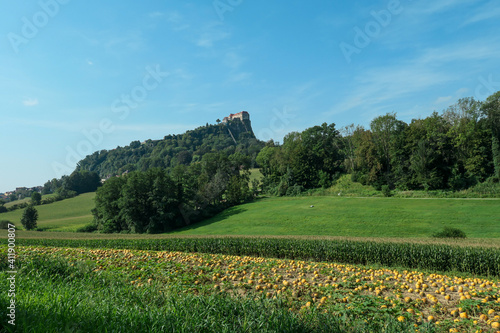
column 243, row 115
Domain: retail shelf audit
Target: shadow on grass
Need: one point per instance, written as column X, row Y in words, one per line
column 227, row 213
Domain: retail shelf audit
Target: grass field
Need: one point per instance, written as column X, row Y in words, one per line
column 330, row 216
column 91, row 290
column 26, row 200
column 354, row 217
column 65, row 215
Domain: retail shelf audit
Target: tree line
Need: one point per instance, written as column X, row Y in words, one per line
column 160, row 200
column 454, row 150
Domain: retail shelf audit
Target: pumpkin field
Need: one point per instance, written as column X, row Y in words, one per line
column 201, row 285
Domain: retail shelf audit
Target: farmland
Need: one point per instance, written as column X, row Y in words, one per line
column 83, row 289
column 344, row 265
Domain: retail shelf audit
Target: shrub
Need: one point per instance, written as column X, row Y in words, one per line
column 450, row 233
column 494, row 180
column 294, row 190
column 91, row 227
column 386, row 191
column 4, row 224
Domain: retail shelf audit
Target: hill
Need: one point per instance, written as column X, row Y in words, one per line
column 66, row 215
column 231, row 136
column 354, row 217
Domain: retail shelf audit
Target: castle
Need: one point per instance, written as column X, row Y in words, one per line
column 243, row 115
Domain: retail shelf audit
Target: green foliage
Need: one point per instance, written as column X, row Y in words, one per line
column 306, row 160
column 491, row 109
column 82, row 182
column 4, row 224
column 65, row 193
column 474, row 260
column 455, row 150
column 174, row 150
column 157, row 200
column 449, row 232
column 141, row 202
column 386, row 191
column 91, row 227
column 36, row 198
column 29, row 218
column 347, row 186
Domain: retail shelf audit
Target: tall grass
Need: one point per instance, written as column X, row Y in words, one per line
column 54, row 296
column 473, row 260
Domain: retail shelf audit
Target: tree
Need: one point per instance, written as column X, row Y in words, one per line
column 388, row 134
column 149, row 202
column 491, row 109
column 421, row 160
column 3, row 209
column 471, row 140
column 366, row 160
column 107, row 211
column 36, row 198
column 29, row 218
column 82, row 182
column 348, row 146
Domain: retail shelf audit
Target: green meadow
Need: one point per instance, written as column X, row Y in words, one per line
column 330, row 216
column 65, row 215
column 354, row 217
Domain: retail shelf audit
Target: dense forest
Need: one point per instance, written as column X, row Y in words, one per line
column 234, row 137
column 451, row 151
column 158, row 200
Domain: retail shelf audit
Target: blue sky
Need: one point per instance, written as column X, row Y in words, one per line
column 76, row 77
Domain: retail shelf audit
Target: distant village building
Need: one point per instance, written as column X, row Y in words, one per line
column 243, row 115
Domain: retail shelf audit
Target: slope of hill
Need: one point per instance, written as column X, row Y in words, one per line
column 65, row 215
column 354, row 217
column 230, row 137
column 330, row 216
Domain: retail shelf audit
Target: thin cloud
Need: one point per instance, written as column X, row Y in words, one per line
column 148, row 128
column 208, row 39
column 486, row 12
column 30, row 102
column 476, row 50
column 431, row 7
column 46, row 124
column 240, row 77
column 443, row 99
column 155, row 14
column 381, row 86
column 233, row 60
